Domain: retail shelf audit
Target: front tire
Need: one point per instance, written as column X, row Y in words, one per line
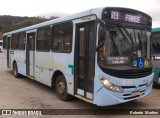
column 15, row 70
column 61, row 88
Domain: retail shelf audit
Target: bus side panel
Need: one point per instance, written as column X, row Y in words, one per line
column 13, row 57
column 69, row 73
column 4, row 56
column 20, row 58
column 43, row 67
column 64, row 63
column 21, row 61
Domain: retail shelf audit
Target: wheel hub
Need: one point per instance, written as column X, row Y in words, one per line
column 61, row 87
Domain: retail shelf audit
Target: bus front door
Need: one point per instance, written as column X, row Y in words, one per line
column 30, row 58
column 85, row 60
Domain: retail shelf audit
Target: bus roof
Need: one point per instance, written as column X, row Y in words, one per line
column 156, row 29
column 94, row 11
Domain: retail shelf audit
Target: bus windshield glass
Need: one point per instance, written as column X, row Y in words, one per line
column 124, row 40
column 122, row 46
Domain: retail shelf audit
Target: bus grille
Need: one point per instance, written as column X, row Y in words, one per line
column 134, row 75
column 129, row 94
column 129, row 74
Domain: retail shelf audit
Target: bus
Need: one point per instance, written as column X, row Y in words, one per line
column 156, row 54
column 101, row 55
column 0, row 45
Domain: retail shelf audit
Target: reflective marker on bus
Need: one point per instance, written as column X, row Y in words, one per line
column 101, row 55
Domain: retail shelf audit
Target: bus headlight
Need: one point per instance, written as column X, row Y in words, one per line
column 107, row 84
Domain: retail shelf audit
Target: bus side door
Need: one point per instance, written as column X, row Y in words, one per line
column 30, row 54
column 85, row 59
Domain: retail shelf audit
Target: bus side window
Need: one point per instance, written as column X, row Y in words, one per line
column 5, row 42
column 43, row 39
column 21, row 40
column 62, row 37
column 14, row 41
column 67, row 30
column 56, row 38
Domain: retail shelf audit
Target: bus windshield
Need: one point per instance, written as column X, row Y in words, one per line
column 122, row 46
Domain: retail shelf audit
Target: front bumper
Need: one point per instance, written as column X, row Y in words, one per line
column 105, row 97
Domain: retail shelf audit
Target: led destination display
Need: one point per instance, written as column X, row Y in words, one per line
column 126, row 17
column 131, row 16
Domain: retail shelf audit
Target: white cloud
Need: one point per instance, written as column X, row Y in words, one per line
column 155, row 24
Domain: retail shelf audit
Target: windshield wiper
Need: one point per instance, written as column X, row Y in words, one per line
column 128, row 37
column 116, row 47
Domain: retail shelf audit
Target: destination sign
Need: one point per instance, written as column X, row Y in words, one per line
column 126, row 17
column 133, row 18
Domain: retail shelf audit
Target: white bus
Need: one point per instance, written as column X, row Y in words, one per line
column 101, row 55
column 1, row 45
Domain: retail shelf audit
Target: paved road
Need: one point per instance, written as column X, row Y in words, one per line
column 25, row 93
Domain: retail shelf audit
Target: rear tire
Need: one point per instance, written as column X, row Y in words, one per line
column 15, row 70
column 61, row 89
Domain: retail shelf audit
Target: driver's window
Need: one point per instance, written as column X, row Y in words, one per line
column 101, row 41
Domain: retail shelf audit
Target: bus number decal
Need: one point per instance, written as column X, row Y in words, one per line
column 114, row 15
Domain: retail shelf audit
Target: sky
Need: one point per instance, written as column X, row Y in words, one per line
column 60, row 8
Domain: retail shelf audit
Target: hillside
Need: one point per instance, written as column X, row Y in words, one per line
column 9, row 23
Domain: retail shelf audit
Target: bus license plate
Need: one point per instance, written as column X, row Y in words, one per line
column 136, row 94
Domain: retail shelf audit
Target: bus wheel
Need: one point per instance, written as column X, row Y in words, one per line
column 15, row 70
column 61, row 88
